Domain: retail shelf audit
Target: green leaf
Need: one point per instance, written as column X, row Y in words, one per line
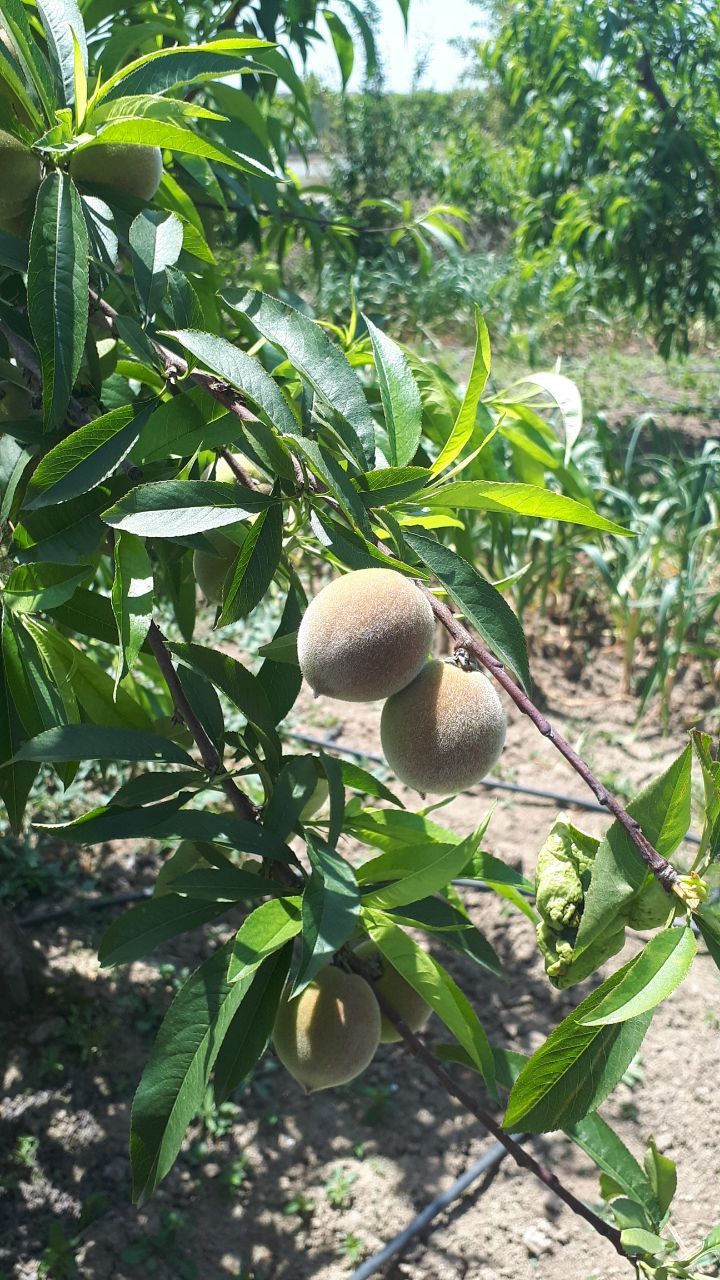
column 521, row 499
column 236, row 682
column 663, row 811
column 57, row 288
column 16, row 20
column 175, row 1079
column 483, row 606
column 243, row 372
column 156, row 241
column 661, row 966
column 92, row 686
column 149, row 787
column 249, row 1032
column 165, row 69
column 95, row 742
column 170, row 136
column 467, row 416
column 430, row 980
column 177, row 509
column 709, row 926
column 387, row 485
column 416, row 872
column 168, row 821
column 392, row 828
column 265, row 930
column 437, row 915
column 662, row 1175
column 61, row 20
column 342, row 44
column 32, row 587
column 635, row 1240
column 493, row 871
column 317, row 359
column 400, row 397
column 293, row 787
column 255, row 567
column 226, row 884
column 332, row 474
column 15, row 779
column 358, row 779
column 85, row 458
column 132, row 598
column 281, row 682
column 567, row 397
column 330, row 911
column 576, row 1068
column 146, row 926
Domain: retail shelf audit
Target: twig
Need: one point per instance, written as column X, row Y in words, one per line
column 241, row 803
column 518, row 1153
column 660, row 867
column 238, row 471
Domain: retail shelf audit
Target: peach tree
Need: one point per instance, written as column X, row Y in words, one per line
column 163, row 424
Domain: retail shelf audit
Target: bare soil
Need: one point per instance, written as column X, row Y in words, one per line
column 252, row 1195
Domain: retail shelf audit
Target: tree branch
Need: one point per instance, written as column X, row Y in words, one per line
column 518, row 1153
column 241, row 803
column 660, row 867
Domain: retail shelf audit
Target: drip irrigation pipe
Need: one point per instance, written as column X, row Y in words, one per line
column 487, row 1164
column 84, row 904
column 492, row 784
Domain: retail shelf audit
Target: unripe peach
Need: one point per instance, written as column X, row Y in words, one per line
column 413, row 1010
column 445, row 731
column 130, row 171
column 365, row 636
column 328, row 1035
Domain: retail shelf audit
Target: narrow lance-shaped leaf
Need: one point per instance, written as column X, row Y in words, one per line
column 400, row 397
column 319, row 360
column 165, row 69
column 156, row 241
column 255, row 566
column 481, row 603
column 330, row 911
column 64, row 29
column 85, row 458
column 267, row 929
column 177, row 509
column 58, row 282
column 243, row 372
column 132, row 599
column 95, row 742
column 175, row 1079
column 519, row 499
column 576, row 1068
column 146, row 926
column 32, row 587
column 342, row 43
column 249, row 1032
column 415, row 873
column 465, row 422
column 661, row 966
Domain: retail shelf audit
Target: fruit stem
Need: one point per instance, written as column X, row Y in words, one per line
column 663, row 870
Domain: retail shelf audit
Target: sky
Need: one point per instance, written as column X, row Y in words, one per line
column 399, row 52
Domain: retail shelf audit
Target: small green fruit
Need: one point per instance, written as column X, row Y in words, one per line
column 413, row 1010
column 365, row 636
column 129, row 171
column 445, row 731
column 211, row 570
column 328, row 1035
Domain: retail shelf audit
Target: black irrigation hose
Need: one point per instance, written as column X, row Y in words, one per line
column 492, row 784
column 79, row 905
column 487, row 1164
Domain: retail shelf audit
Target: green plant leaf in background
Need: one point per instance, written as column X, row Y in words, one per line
column 58, row 282
column 576, row 1068
column 342, row 43
column 464, row 424
column 481, row 603
column 400, row 397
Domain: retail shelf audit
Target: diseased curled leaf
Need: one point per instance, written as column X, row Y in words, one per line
column 481, row 602
column 57, row 287
column 400, row 397
column 576, row 1068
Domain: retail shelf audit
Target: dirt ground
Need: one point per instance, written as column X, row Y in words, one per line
column 279, row 1187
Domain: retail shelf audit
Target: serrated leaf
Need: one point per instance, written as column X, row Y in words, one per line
column 132, row 598
column 165, row 69
column 464, row 424
column 660, row 967
column 33, row 587
column 156, row 240
column 316, row 358
column 146, row 926
column 57, row 287
column 235, row 681
column 576, row 1068
column 519, row 499
column 400, row 397
column 265, row 930
column 177, row 509
column 415, row 873
column 430, row 980
column 174, row 1081
column 330, row 911
column 249, row 1032
column 243, row 372
column 95, row 742
column 61, row 21
column 483, row 606
column 85, row 458
column 170, row 136
column 255, row 566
